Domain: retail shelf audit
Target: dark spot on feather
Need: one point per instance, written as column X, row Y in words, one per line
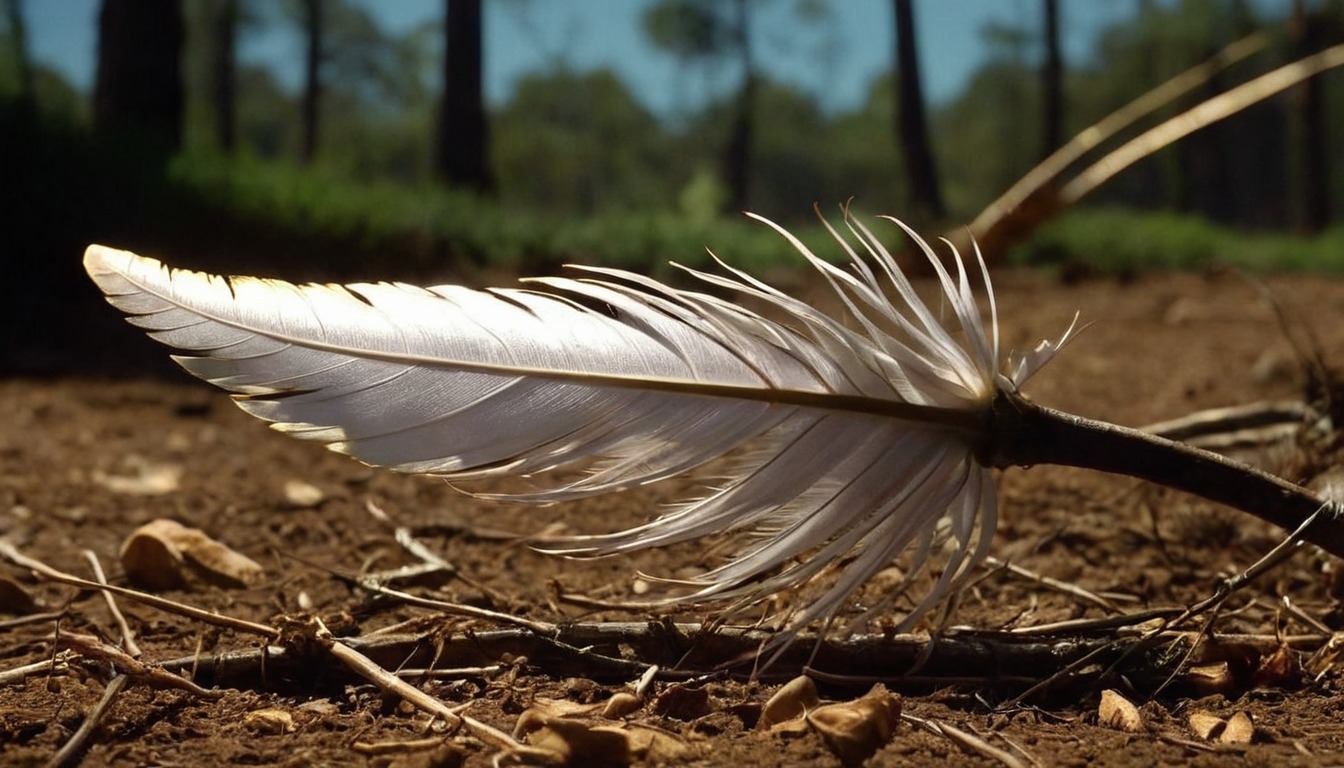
column 594, row 305
column 356, row 294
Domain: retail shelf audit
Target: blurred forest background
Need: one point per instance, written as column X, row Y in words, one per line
column 387, row 162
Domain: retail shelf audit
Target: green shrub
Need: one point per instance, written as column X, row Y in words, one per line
column 1115, row 241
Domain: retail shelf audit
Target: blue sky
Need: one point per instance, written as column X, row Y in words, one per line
column 528, row 35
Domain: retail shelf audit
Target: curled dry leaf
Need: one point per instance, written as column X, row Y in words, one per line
column 164, row 554
column 793, row 700
column 1239, row 730
column 301, row 495
column 682, row 702
column 1205, row 724
column 578, row 741
column 275, row 721
column 1115, row 711
column 1280, row 669
column 620, row 704
column 1209, row 679
column 855, row 730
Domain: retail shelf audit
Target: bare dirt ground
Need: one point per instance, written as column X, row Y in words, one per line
column 78, row 456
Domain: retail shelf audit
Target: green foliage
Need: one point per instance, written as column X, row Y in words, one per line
column 691, row 28
column 575, row 144
column 1123, row 241
column 430, row 230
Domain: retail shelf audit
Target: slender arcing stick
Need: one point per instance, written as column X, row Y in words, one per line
column 72, row 751
column 1057, row 163
column 1186, row 123
column 458, row 609
column 9, row 552
column 91, row 647
column 1234, row 419
column 386, row 681
column 127, row 636
column 965, row 740
column 1065, row 587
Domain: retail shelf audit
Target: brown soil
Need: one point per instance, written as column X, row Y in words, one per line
column 1159, row 347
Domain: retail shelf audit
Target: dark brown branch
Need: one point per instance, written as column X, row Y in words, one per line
column 683, row 651
column 1026, row 434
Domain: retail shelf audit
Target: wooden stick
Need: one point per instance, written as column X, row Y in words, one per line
column 1026, row 434
column 72, row 751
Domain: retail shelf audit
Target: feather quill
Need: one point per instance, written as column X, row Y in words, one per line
column 849, row 443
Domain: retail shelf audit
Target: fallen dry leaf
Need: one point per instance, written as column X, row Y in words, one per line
column 650, row 744
column 577, row 743
column 1115, row 711
column 793, row 700
column 569, row 733
column 1239, row 730
column 1205, row 725
column 680, row 701
column 1280, row 669
column 855, row 730
column 269, row 721
column 164, row 554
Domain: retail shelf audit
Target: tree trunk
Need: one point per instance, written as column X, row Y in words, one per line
column 224, row 29
column 462, row 150
column 913, row 134
column 312, row 83
column 139, row 85
column 737, row 152
column 1311, row 214
column 1052, row 86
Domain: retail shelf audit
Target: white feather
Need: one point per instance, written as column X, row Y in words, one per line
column 860, row 444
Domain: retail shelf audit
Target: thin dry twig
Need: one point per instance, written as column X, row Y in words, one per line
column 458, row 609
column 965, row 740
column 991, row 227
column 32, row 618
column 57, row 665
column 1264, row 421
column 1068, row 588
column 375, row 748
column 406, row 538
column 390, row 683
column 72, row 751
column 127, row 636
column 1207, row 112
column 1072, row 626
column 11, row 553
column 91, row 647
